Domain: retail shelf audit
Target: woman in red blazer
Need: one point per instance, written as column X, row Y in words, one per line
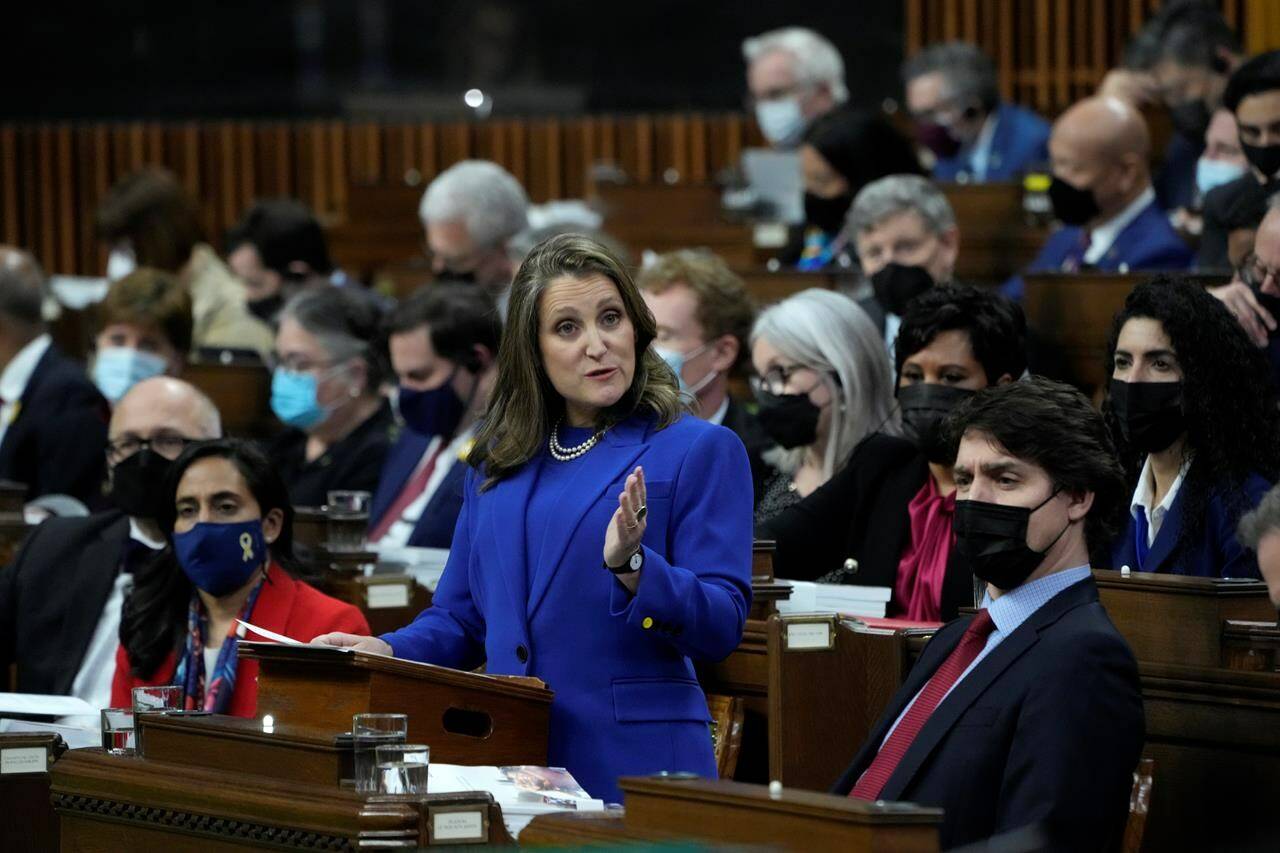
column 230, row 527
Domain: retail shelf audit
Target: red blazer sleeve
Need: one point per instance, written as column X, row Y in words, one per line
column 123, row 681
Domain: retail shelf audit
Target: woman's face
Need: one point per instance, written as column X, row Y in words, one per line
column 1144, row 353
column 947, row 360
column 143, row 339
column 588, row 344
column 781, row 375
column 213, row 491
column 300, row 351
column 819, row 178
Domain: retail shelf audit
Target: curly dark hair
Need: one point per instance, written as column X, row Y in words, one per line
column 1054, row 426
column 1228, row 399
column 996, row 327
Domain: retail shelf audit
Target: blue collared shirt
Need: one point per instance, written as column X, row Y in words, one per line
column 1008, row 612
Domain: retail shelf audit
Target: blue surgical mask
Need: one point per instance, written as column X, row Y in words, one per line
column 220, row 558
column 436, row 411
column 1215, row 173
column 117, row 369
column 781, row 121
column 676, row 360
column 293, row 399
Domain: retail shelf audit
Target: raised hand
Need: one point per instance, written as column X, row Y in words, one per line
column 627, row 526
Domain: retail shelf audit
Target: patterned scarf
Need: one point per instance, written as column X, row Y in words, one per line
column 196, row 695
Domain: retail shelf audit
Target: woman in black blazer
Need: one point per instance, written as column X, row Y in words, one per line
column 884, row 519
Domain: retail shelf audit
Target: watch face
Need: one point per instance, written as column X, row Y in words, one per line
column 637, row 560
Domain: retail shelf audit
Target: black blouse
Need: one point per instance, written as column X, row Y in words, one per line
column 354, row 463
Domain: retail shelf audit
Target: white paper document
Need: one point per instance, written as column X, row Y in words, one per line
column 43, row 704
column 76, row 737
column 523, row 792
column 270, row 635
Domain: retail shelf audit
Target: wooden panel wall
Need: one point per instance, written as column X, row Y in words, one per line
column 1049, row 53
column 53, row 175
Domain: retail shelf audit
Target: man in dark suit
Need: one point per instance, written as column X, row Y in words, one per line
column 443, row 342
column 53, row 421
column 60, row 600
column 954, row 99
column 704, row 320
column 1030, row 713
column 1102, row 194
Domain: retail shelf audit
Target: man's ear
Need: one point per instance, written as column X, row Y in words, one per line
column 724, row 353
column 272, row 525
column 1078, row 505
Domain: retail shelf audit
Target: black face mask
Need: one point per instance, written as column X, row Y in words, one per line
column 1265, row 158
column 266, row 309
column 993, row 538
column 1072, row 205
column 897, row 284
column 1150, row 413
column 826, row 214
column 136, row 482
column 925, row 407
column 790, row 419
column 1191, row 119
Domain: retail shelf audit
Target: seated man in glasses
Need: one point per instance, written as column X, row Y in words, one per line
column 60, row 600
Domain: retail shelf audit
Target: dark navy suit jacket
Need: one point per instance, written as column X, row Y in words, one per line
column 1147, row 243
column 1020, row 142
column 1217, row 554
column 627, row 698
column 435, row 526
column 1046, row 730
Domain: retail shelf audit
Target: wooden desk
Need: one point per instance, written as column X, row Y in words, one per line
column 996, row 240
column 662, row 218
column 242, row 393
column 766, row 286
column 670, row 810
column 27, row 821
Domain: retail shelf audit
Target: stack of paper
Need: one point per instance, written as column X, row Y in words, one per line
column 848, row 599
column 524, row 792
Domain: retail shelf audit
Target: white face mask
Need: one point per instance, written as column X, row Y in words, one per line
column 120, row 263
column 781, row 121
column 1215, row 173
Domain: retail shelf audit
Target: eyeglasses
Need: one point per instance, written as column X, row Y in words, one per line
column 776, row 379
column 168, row 446
column 1253, row 273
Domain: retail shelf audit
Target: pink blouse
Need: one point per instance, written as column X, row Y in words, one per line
column 917, row 592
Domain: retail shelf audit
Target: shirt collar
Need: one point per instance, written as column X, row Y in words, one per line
column 137, row 534
column 980, row 154
column 1145, row 490
column 1016, row 606
column 1104, row 235
column 17, row 373
column 718, row 417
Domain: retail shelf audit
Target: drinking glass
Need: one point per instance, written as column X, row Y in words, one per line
column 157, row 699
column 368, row 732
column 117, row 730
column 402, row 768
column 347, row 516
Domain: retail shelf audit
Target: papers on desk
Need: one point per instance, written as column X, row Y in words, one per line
column 524, row 792
column 76, row 737
column 270, row 635
column 425, row 565
column 44, row 705
column 77, row 291
column 847, row 599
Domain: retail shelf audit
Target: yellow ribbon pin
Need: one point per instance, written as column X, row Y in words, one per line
column 246, row 542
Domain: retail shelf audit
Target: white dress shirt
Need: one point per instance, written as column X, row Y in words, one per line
column 397, row 536
column 1145, row 492
column 16, row 376
column 1103, row 237
column 980, row 155
column 717, row 417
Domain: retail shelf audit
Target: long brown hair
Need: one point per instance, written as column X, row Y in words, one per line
column 525, row 404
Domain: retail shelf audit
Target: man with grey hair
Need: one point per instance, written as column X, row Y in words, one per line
column 61, row 599
column 470, row 212
column 1260, row 530
column 954, row 99
column 53, row 421
column 794, row 76
column 907, row 240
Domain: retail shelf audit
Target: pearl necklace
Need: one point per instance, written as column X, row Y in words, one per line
column 567, row 454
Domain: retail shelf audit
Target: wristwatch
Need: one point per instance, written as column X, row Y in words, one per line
column 632, row 565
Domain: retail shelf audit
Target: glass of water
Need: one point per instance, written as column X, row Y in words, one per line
column 368, row 732
column 117, row 730
column 347, row 516
column 402, row 768
column 157, row 699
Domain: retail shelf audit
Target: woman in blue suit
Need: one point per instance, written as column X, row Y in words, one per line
column 1193, row 414
column 605, row 535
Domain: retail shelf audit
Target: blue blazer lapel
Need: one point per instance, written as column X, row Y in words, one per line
column 396, row 471
column 1162, row 547
column 611, row 461
column 507, row 539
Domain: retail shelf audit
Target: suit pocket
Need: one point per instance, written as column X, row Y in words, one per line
column 980, row 716
column 650, row 700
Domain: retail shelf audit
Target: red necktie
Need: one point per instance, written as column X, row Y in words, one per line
column 410, row 493
column 886, row 760
column 1075, row 258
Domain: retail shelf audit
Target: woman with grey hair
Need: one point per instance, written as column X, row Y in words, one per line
column 824, row 385
column 328, row 368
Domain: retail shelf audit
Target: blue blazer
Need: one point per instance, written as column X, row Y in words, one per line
column 1019, row 143
column 1217, row 554
column 435, row 526
column 627, row 699
column 1147, row 243
column 1045, row 730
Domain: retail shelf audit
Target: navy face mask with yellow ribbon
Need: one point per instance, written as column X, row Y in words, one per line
column 220, row 558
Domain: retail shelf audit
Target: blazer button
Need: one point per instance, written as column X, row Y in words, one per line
column 851, row 565
column 647, row 623
column 522, row 654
